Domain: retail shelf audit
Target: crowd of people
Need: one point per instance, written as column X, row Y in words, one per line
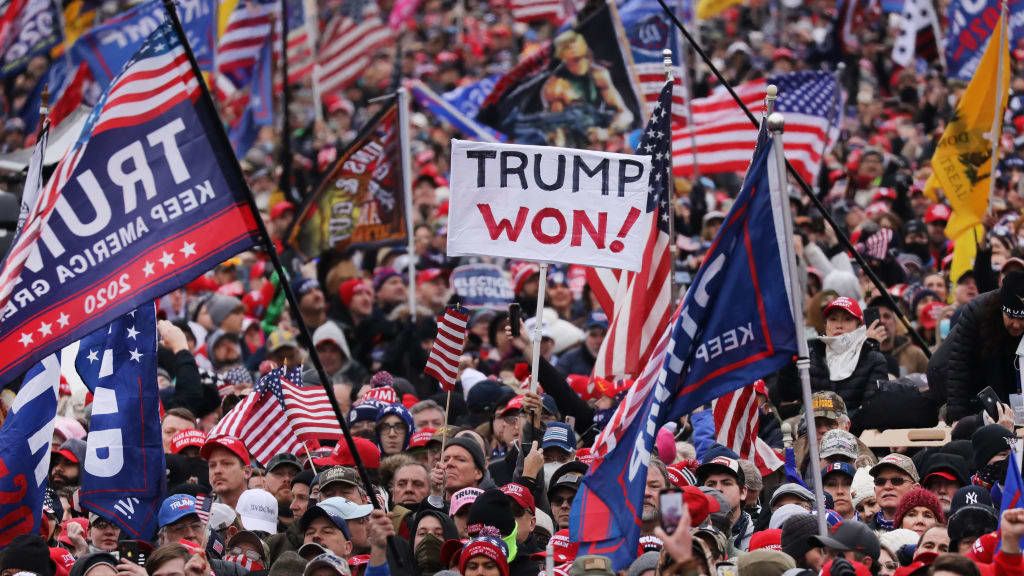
column 482, row 481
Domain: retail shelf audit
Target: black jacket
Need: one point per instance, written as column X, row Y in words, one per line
column 855, row 388
column 979, row 352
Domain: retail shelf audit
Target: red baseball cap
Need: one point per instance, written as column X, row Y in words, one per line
column 62, row 559
column 521, row 495
column 187, row 438
column 234, row 445
column 277, row 210
column 340, row 456
column 586, row 455
column 513, row 404
column 770, row 539
column 884, row 193
column 562, row 548
column 847, row 304
column 679, row 478
column 428, row 275
column 930, row 313
column 699, row 504
column 937, row 213
column 421, row 438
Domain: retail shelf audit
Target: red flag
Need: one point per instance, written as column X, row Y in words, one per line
column 443, row 362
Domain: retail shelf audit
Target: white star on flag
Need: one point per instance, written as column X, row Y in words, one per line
column 63, row 320
column 136, row 356
column 92, row 357
column 167, row 259
column 147, row 269
column 45, row 329
column 188, row 249
column 26, row 338
column 132, row 332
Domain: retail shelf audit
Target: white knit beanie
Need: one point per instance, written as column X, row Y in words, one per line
column 863, row 486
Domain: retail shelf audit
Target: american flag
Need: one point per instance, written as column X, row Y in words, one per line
column 279, row 416
column 443, row 362
column 155, row 80
column 301, row 54
column 737, row 421
column 725, row 137
column 347, row 46
column 641, row 300
column 248, row 27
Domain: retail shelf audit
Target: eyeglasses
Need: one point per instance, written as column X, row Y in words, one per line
column 890, row 566
column 894, row 480
column 396, row 428
column 101, row 524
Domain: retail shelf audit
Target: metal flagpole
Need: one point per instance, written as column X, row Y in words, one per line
column 221, row 137
column 777, row 174
column 843, row 239
column 542, row 284
column 285, row 183
column 670, row 186
column 997, row 117
column 403, row 135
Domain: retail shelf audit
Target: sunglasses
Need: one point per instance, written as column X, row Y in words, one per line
column 895, row 481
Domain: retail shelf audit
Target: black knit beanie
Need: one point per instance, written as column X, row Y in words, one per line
column 796, row 533
column 492, row 508
column 28, row 553
column 989, row 441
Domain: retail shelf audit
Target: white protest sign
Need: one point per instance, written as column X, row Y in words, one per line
column 548, row 204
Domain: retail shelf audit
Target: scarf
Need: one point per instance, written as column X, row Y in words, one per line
column 843, row 352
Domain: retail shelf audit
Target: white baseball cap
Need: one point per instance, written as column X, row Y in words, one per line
column 221, row 516
column 346, row 508
column 257, row 509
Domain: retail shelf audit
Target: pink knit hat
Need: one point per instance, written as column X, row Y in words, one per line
column 666, row 444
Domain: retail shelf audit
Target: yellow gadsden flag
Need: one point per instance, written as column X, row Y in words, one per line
column 962, row 164
column 711, row 8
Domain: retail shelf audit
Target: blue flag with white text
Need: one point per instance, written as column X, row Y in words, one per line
column 123, row 477
column 970, row 25
column 148, row 198
column 734, row 326
column 106, row 48
column 25, row 451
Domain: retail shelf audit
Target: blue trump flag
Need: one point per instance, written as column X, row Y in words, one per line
column 123, row 476
column 734, row 326
column 970, row 26
column 149, row 197
column 445, row 109
column 260, row 109
column 25, row 451
column 1013, row 487
column 106, row 48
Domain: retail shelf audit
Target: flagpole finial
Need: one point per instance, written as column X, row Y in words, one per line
column 776, row 122
column 771, row 94
column 666, row 60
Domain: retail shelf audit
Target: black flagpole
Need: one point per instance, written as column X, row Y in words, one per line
column 285, row 183
column 847, row 245
column 222, row 138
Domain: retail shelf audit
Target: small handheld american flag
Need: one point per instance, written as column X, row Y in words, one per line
column 443, row 362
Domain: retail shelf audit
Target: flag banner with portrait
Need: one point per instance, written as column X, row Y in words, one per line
column 575, row 93
column 361, row 202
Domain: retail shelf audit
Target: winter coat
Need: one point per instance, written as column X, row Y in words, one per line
column 979, row 352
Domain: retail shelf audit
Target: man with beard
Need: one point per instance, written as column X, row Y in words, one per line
column 312, row 304
column 66, row 466
column 725, row 475
column 894, row 475
column 281, row 471
column 657, row 480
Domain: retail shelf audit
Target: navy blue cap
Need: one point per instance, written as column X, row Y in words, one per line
column 559, row 435
column 318, row 511
column 841, row 467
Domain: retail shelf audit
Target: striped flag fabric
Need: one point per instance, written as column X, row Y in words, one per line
column 737, row 423
column 443, row 361
column 158, row 78
column 280, row 416
column 348, row 44
column 640, row 302
column 248, row 27
column 724, row 136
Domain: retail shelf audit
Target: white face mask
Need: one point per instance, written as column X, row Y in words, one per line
column 549, row 471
